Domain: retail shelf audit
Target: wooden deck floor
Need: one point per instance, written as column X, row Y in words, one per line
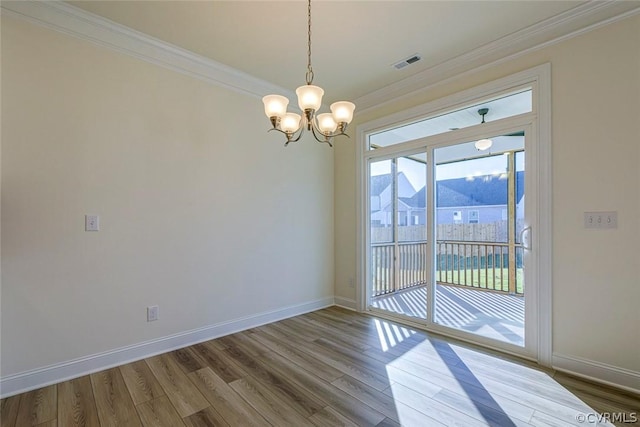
column 331, row 367
column 489, row 314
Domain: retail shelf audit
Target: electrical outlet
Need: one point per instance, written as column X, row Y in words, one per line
column 152, row 313
column 351, row 282
column 91, row 223
column 601, row 219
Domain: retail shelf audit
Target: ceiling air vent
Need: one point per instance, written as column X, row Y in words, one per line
column 407, row 61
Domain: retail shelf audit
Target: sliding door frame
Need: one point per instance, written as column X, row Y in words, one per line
column 538, row 134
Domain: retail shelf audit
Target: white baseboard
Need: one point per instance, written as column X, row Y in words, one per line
column 598, row 372
column 346, row 303
column 34, row 379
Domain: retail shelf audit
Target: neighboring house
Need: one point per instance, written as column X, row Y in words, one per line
column 477, row 200
column 381, row 190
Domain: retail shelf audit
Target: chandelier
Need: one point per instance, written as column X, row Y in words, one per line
column 324, row 127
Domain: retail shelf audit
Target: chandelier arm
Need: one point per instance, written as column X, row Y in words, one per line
column 290, row 136
column 336, row 133
column 325, row 139
column 342, row 134
column 343, row 128
column 300, row 132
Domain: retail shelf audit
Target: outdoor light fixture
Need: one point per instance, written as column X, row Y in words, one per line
column 324, row 127
column 483, row 144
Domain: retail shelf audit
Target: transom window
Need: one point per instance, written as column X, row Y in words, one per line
column 499, row 108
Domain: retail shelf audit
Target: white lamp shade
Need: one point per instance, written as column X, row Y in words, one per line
column 326, row 123
column 343, row 111
column 309, row 97
column 275, row 105
column 483, row 144
column 290, row 122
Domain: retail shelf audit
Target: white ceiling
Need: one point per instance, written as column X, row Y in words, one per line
column 354, row 43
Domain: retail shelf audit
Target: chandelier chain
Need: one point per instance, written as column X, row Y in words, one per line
column 309, row 75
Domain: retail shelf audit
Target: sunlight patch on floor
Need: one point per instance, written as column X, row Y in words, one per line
column 390, row 335
column 455, row 385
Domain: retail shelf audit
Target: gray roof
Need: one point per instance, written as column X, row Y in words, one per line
column 417, row 200
column 379, row 183
column 486, row 190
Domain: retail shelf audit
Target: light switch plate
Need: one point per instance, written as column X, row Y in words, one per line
column 601, row 219
column 91, row 223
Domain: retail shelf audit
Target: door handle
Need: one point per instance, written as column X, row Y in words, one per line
column 522, row 232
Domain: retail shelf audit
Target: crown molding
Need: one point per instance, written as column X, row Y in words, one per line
column 79, row 23
column 84, row 25
column 574, row 22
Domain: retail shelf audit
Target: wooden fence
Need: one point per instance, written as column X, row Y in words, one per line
column 490, row 232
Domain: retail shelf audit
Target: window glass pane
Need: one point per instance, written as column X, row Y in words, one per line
column 471, row 197
column 381, row 201
column 506, row 106
column 519, row 194
column 412, row 215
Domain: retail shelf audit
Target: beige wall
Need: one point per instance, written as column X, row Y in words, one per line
column 596, row 153
column 202, row 212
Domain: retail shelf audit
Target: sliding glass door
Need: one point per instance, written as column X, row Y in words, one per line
column 479, row 256
column 447, row 227
column 398, row 234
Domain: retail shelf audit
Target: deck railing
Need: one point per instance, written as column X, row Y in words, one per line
column 411, row 270
column 483, row 265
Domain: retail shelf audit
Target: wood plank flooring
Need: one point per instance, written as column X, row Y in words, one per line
column 332, row 367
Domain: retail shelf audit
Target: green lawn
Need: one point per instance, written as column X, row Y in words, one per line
column 497, row 281
column 452, row 277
